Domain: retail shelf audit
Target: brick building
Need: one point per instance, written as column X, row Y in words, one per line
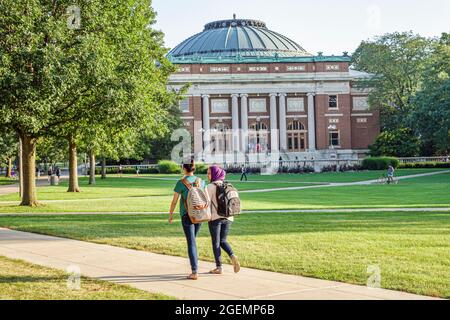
column 253, row 91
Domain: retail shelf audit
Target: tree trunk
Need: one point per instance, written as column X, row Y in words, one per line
column 73, row 167
column 9, row 169
column 104, row 168
column 20, row 169
column 92, row 167
column 28, row 165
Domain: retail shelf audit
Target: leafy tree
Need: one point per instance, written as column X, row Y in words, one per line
column 431, row 114
column 397, row 62
column 56, row 80
column 399, row 143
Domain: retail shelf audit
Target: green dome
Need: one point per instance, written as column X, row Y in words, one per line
column 236, row 39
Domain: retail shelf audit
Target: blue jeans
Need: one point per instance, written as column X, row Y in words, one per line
column 219, row 232
column 190, row 231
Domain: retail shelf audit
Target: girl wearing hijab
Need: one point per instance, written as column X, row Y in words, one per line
column 219, row 226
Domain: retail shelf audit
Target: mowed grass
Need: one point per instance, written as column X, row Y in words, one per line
column 20, row 280
column 412, row 249
column 153, row 194
column 6, row 181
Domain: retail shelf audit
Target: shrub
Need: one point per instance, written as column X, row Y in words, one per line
column 169, row 167
column 380, row 163
column 201, row 168
column 424, row 165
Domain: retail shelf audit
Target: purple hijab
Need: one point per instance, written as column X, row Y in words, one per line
column 217, row 173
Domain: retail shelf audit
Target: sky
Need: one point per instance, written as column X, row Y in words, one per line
column 328, row 26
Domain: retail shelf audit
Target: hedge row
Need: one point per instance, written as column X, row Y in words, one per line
column 380, row 163
column 424, row 165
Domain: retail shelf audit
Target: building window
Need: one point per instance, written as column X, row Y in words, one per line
column 220, row 106
column 184, row 105
column 296, row 137
column 258, row 105
column 184, row 69
column 221, row 138
column 295, row 68
column 334, row 138
column 332, row 67
column 219, row 69
column 295, row 105
column 258, row 138
column 257, row 69
column 332, row 102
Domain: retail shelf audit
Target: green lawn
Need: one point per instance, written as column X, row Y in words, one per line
column 5, row 181
column 151, row 194
column 412, row 249
column 20, row 280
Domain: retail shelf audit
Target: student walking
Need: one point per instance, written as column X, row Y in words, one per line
column 219, row 226
column 243, row 173
column 190, row 229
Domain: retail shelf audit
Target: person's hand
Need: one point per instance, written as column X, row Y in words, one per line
column 170, row 218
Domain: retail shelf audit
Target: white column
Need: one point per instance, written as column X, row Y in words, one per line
column 311, row 122
column 206, row 126
column 244, row 122
column 283, row 138
column 235, row 120
column 273, row 123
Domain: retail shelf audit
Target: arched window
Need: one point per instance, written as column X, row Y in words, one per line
column 220, row 138
column 258, row 126
column 296, row 137
column 295, row 126
column 258, row 137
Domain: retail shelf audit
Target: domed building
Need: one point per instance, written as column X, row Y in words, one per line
column 254, row 91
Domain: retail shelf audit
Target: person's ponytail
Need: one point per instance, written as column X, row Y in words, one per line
column 189, row 167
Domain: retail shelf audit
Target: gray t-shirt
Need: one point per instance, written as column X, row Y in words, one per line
column 212, row 188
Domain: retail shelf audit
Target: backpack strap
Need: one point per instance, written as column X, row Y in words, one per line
column 186, row 183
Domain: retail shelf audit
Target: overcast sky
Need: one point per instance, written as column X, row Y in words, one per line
column 321, row 25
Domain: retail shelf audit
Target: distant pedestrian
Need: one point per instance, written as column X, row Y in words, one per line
column 243, row 173
column 390, row 174
column 49, row 173
column 58, row 172
column 137, row 171
column 120, row 170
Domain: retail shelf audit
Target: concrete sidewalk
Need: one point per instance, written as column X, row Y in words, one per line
column 166, row 274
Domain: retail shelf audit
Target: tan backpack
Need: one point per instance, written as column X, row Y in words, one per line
column 197, row 202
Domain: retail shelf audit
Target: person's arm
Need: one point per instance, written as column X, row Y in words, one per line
column 173, row 205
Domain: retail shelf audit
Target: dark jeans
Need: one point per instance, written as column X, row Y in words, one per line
column 219, row 232
column 190, row 231
column 244, row 175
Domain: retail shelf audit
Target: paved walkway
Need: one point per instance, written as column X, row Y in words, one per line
column 166, row 274
column 345, row 184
